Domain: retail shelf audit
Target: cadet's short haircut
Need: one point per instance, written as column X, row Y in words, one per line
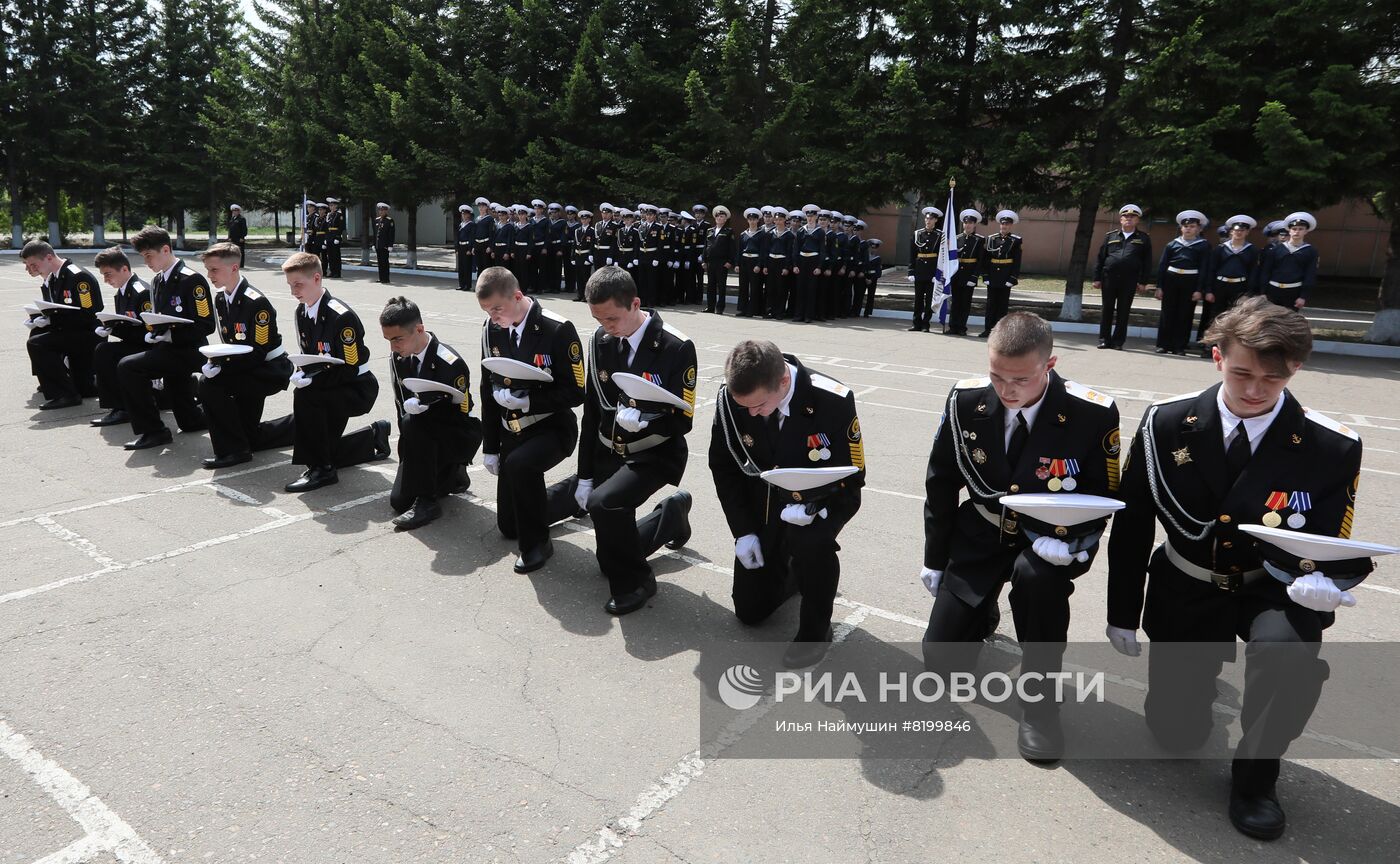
column 222, row 251
column 611, row 284
column 496, row 282
column 753, row 365
column 302, row 262
column 114, row 258
column 400, row 312
column 35, row 249
column 1022, row 333
column 150, row 239
column 1278, row 335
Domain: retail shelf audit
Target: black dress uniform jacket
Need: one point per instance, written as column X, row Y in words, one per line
column 383, row 232
column 1181, row 255
column 1286, row 274
column 337, row 331
column 185, row 295
column 1234, row 273
column 550, row 342
column 131, row 301
column 1124, row 259
column 927, row 245
column 1001, row 258
column 250, row 319
column 1075, row 434
column 73, row 286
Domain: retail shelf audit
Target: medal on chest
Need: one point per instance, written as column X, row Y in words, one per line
column 818, row 448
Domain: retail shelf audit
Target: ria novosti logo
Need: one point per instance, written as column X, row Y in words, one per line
column 740, row 687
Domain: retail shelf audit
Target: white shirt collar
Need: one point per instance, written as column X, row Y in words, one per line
column 1292, row 248
column 785, row 406
column 165, row 276
column 1028, row 412
column 517, row 331
column 635, row 340
column 423, row 355
column 1255, row 426
column 315, row 307
column 229, row 293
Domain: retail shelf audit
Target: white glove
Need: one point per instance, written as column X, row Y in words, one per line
column 1054, row 551
column 796, row 514
column 1318, row 593
column 636, row 262
column 29, row 323
column 910, row 277
column 631, row 419
column 158, row 384
column 749, row 552
column 509, row 400
column 299, row 379
column 675, row 265
column 413, row 406
column 687, row 265
column 654, row 262
column 608, row 262
column 102, row 332
column 585, row 488
column 931, row 579
column 209, row 369
column 492, row 462
column 590, row 259
column 1124, row 641
column 153, row 338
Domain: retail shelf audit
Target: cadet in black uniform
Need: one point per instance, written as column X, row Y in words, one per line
column 583, row 251
column 699, row 240
column 670, row 260
column 466, row 247
column 438, row 437
column 854, row 290
column 528, row 429
column 649, row 248
column 604, row 238
column 310, row 239
column 1288, row 270
column 483, row 232
column 61, row 341
column 522, row 260
column 628, row 242
column 238, row 230
column 1234, row 267
column 321, row 230
column 571, row 223
column 829, row 303
column 811, row 264
column 752, row 258
column 1125, row 259
column 1183, row 278
column 971, row 245
column 234, row 389
column 556, row 250
column 335, row 235
column 130, row 297
column 1001, row 265
column 1055, row 435
column 383, row 240
column 172, row 350
column 327, row 396
column 774, row 413
column 502, row 237
column 779, row 264
column 924, row 267
column 1203, row 465
column 628, row 450
column 721, row 256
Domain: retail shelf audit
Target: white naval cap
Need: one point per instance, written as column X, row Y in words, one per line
column 969, row 213
column 685, row 214
column 836, row 214
column 330, row 200
column 752, row 213
column 536, row 203
column 1241, row 221
column 464, row 208
column 932, row 211
column 553, row 206
column 585, row 214
column 570, row 209
column 720, row 208
column 699, row 208
column 498, row 207
column 482, row 199
column 812, row 208
column 860, row 224
column 874, row 241
column 235, row 207
column 766, row 211
column 794, row 214
column 1130, row 208
column 1300, row 217
column 381, row 205
column 605, row 206
column 1192, row 214
column 1003, row 215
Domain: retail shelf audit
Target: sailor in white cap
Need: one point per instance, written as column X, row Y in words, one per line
column 924, row 266
column 539, row 249
column 1288, row 271
column 688, row 242
column 581, row 247
column 502, row 235
column 752, row 258
column 964, row 281
column 335, row 235
column 628, row 240
column 466, row 246
column 830, row 288
column 483, row 233
column 238, row 230
column 522, row 257
column 1183, row 280
column 555, row 248
column 383, row 239
column 778, row 267
column 811, row 264
column 1242, row 452
column 721, row 257
column 1002, row 267
column 1124, row 262
column 1234, row 267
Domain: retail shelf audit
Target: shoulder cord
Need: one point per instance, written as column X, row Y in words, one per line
column 728, row 429
column 593, row 373
column 1157, row 483
column 974, row 480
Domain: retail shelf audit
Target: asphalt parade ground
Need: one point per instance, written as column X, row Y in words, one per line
column 196, row 666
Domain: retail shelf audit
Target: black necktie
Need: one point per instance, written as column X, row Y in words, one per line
column 1237, row 455
column 1017, row 442
column 413, row 366
column 773, row 429
column 515, row 337
column 623, row 351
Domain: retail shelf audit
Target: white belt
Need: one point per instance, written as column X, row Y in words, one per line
column 988, row 514
column 1196, row 571
column 1182, row 272
column 1286, row 284
column 1231, row 279
column 777, row 255
column 635, row 446
column 523, row 423
column 275, row 352
column 808, row 254
column 750, row 254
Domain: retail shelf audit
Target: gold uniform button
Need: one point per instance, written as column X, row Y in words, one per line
column 1225, row 518
column 1227, row 544
column 1015, row 488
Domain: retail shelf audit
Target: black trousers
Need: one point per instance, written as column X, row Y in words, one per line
column 750, row 288
column 1117, row 306
column 177, row 366
column 1174, row 322
column 1226, row 295
column 524, row 508
column 624, row 543
column 777, row 293
column 868, row 287
column 464, row 270
column 923, row 301
column 432, row 454
column 1283, row 672
column 961, row 288
column 333, row 260
column 716, row 285
column 582, row 270
column 521, row 267
column 105, row 358
column 233, row 404
column 807, row 288
column 48, row 351
column 320, row 414
column 998, row 301
column 647, row 283
column 796, row 560
column 242, row 250
column 381, row 257
column 552, row 266
column 693, row 274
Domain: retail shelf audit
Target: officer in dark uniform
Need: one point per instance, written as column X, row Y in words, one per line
column 483, row 232
column 604, row 238
column 721, row 257
column 752, row 258
column 773, row 412
column 335, row 235
column 628, row 242
column 779, row 263
column 1288, row 271
column 61, row 341
column 502, row 236
column 1125, row 259
column 556, row 250
column 829, row 297
column 466, row 247
column 327, row 396
column 629, row 449
column 238, row 230
column 570, row 265
column 1055, row 436
column 698, row 242
column 583, row 252
column 1234, row 267
column 650, row 253
column 923, row 267
column 687, row 265
column 322, row 229
column 871, row 273
column 438, row 436
column 812, row 251
column 1002, row 267
column 310, row 239
column 522, row 260
column 971, row 247
column 854, row 257
column 539, row 247
column 234, row 389
column 528, row 429
column 1183, row 279
column 383, row 240
column 1203, row 465
column 130, row 297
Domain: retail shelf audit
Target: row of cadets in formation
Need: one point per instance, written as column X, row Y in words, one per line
column 995, row 257
column 1191, row 271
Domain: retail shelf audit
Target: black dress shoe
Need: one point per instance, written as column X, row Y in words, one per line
column 313, row 478
column 423, row 511
column 984, row 334
column 461, row 481
column 632, row 600
column 147, row 440
column 112, row 418
column 801, row 653
column 533, row 559
column 1160, row 350
column 61, row 402
column 915, row 329
column 681, row 508
column 381, row 439
column 1118, row 347
column 228, row 460
column 1040, row 738
column 1258, row 816
column 1103, row 344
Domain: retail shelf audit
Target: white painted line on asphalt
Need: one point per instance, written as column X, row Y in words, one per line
column 77, row 852
column 101, row 824
column 77, row 541
column 234, row 494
